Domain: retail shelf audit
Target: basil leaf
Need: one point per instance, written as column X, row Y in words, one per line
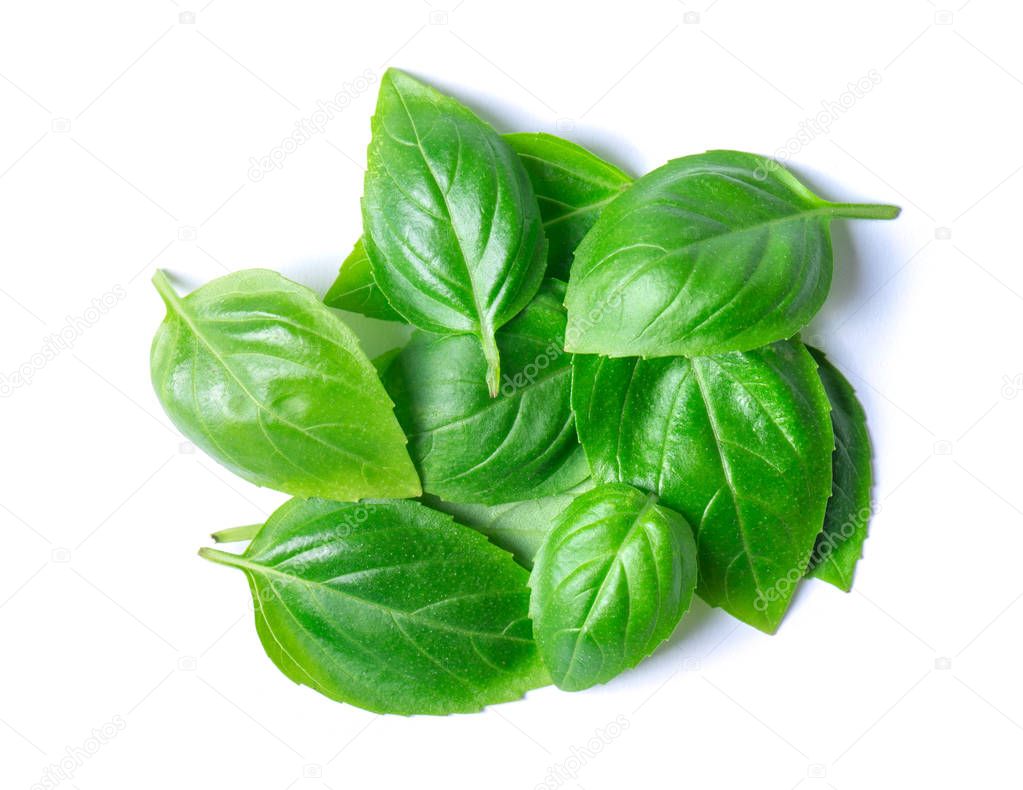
column 518, row 527
column 723, row 251
column 452, row 226
column 390, row 606
column 257, row 372
column 840, row 544
column 470, row 447
column 610, row 583
column 383, row 362
column 740, row 444
column 572, row 186
column 356, row 291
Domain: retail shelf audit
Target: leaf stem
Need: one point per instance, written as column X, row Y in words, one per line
column 864, row 210
column 222, row 557
column 166, row 290
column 233, row 534
column 493, row 358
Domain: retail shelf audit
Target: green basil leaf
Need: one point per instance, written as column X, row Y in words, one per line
column 610, row 583
column 572, row 186
column 257, row 372
column 390, row 606
column 470, row 447
column 740, row 444
column 518, row 527
column 723, row 251
column 356, row 291
column 840, row 544
column 452, row 226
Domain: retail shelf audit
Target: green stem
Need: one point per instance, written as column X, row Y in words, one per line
column 234, row 534
column 864, row 210
column 493, row 358
column 166, row 290
column 222, row 557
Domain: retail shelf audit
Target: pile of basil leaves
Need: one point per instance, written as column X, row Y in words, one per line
column 604, row 409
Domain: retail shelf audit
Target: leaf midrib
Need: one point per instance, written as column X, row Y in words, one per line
column 798, row 216
column 255, row 567
column 726, row 470
column 616, row 561
column 576, row 210
column 481, row 316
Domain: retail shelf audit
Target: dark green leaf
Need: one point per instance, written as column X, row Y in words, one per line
column 256, row 371
column 470, row 447
column 518, row 527
column 572, row 186
column 452, row 227
column 384, row 361
column 610, row 583
column 390, row 606
column 740, row 444
column 723, row 251
column 355, row 289
column 840, row 544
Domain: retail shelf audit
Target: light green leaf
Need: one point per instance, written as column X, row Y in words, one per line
column 518, row 527
column 256, row 371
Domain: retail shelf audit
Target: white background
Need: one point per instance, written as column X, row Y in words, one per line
column 125, row 145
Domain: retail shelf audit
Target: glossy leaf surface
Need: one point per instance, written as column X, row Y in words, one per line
column 724, row 251
column 610, row 583
column 452, row 227
column 256, row 371
column 740, row 444
column 572, row 186
column 840, row 544
column 470, row 447
column 390, row 606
